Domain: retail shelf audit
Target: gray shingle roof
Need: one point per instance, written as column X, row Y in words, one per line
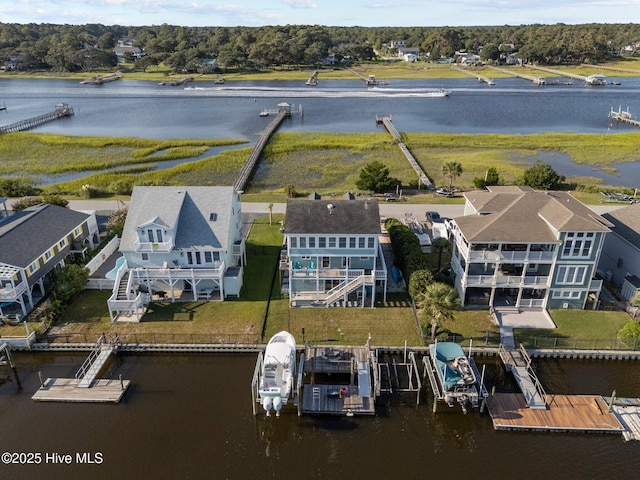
column 25, row 235
column 187, row 210
column 626, row 223
column 356, row 217
column 521, row 215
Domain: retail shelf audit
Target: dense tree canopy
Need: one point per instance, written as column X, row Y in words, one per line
column 78, row 47
column 541, row 176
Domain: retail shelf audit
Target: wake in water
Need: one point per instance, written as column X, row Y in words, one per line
column 316, row 93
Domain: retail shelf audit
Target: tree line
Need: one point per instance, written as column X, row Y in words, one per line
column 90, row 46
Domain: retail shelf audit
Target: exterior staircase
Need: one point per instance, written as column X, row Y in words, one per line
column 123, row 287
column 343, row 288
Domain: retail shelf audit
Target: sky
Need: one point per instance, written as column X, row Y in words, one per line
column 368, row 13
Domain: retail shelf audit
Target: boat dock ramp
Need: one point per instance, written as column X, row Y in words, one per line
column 623, row 116
column 369, row 81
column 480, row 78
column 86, row 387
column 313, row 79
column 390, row 127
column 61, row 110
column 534, row 80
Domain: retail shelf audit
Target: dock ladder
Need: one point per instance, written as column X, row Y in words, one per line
column 87, row 373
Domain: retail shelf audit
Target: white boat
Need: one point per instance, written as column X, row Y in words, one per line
column 278, row 369
column 439, row 93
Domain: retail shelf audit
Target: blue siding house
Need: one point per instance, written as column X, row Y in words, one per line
column 333, row 255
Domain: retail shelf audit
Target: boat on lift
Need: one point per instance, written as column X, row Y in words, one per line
column 278, row 370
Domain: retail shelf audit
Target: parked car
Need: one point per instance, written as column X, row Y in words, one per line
column 433, row 217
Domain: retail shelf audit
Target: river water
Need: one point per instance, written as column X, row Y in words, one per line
column 204, row 110
column 190, row 416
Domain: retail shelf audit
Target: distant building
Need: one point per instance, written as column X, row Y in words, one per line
column 126, row 45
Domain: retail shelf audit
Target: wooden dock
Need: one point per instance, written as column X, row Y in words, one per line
column 62, row 110
column 566, row 413
column 623, row 117
column 529, row 78
column 480, row 78
column 628, row 412
column 349, row 389
column 369, row 81
column 67, row 390
column 518, row 362
column 102, row 79
column 390, row 127
column 250, row 164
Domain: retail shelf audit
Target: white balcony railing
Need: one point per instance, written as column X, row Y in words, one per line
column 146, row 247
column 178, row 273
column 499, row 256
column 504, row 281
column 10, row 293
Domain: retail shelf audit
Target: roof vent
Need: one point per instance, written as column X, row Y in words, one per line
column 213, row 217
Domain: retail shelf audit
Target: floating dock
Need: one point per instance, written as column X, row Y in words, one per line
column 86, row 387
column 566, row 413
column 480, row 78
column 628, row 412
column 62, row 110
column 388, row 125
column 369, row 81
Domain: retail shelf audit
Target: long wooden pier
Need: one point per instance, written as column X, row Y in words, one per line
column 390, row 127
column 534, row 80
column 249, row 166
column 595, row 79
column 101, row 79
column 62, row 110
column 480, row 78
column 369, row 81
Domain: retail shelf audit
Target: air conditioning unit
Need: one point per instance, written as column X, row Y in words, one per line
column 565, row 305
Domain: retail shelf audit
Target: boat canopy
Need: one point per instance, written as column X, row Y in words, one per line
column 448, row 351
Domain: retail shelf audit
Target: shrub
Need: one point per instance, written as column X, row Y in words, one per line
column 630, row 333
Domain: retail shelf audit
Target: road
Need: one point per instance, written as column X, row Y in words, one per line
column 394, row 210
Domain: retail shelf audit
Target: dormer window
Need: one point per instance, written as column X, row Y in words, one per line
column 155, row 236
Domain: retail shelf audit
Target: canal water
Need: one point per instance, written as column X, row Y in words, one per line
column 204, row 110
column 190, row 416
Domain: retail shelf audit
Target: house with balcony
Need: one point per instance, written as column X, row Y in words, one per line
column 333, row 255
column 527, row 249
column 34, row 242
column 620, row 260
column 182, row 243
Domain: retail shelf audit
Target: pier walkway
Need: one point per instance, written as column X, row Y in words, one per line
column 596, row 79
column 62, row 110
column 481, row 78
column 390, row 127
column 249, row 166
column 534, row 80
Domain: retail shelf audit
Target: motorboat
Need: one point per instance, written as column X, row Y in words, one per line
column 456, row 374
column 278, row 370
column 439, row 93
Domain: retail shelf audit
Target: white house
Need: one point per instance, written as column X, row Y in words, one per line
column 184, row 242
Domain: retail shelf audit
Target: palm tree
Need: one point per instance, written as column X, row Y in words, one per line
column 451, row 170
column 270, row 207
column 441, row 244
column 437, row 304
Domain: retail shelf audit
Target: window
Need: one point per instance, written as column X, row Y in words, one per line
column 361, row 242
column 303, row 242
column 312, row 242
column 577, row 244
column 569, row 275
column 208, row 258
column 77, row 232
column 332, row 242
column 352, row 242
column 294, row 242
column 32, row 268
column 370, row 242
column 322, row 242
column 159, row 236
column 342, row 242
column 145, row 257
column 326, row 262
column 48, row 255
column 566, row 294
column 62, row 243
